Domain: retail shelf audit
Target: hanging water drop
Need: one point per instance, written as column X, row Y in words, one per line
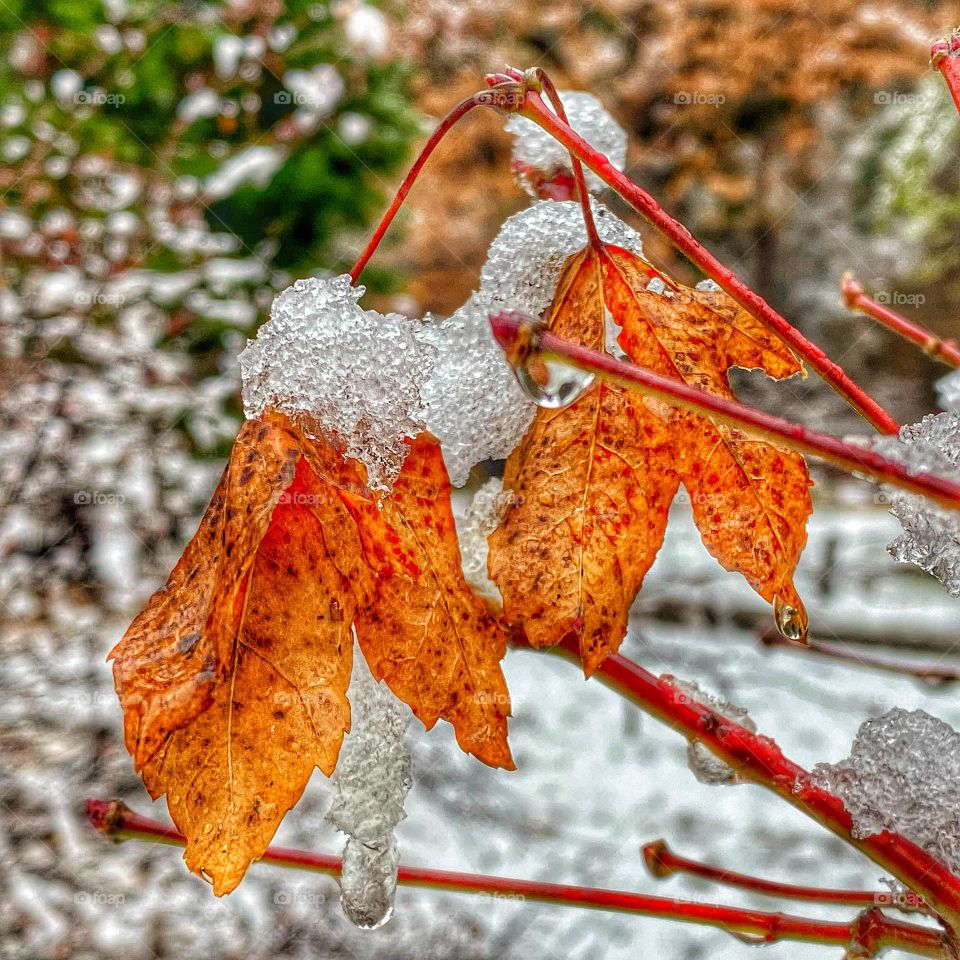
column 551, row 384
column 791, row 621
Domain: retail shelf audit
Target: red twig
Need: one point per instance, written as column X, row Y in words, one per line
column 502, row 95
column 661, row 862
column 871, row 932
column 945, row 56
column 934, row 675
column 854, row 296
column 519, row 336
column 554, row 96
column 535, row 109
column 759, row 759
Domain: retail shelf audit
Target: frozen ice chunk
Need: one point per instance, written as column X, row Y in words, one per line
column 479, row 520
column 931, row 534
column 356, row 372
column 535, row 150
column 903, row 774
column 705, row 765
column 370, row 784
column 948, row 391
column 474, row 405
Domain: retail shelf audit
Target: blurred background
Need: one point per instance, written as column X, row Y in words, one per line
column 166, row 169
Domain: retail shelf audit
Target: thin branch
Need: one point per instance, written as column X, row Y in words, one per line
column 854, row 296
column 871, row 933
column 504, row 95
column 535, row 109
column 934, row 675
column 553, row 95
column 760, row 760
column 520, row 336
column 945, row 57
column 661, row 862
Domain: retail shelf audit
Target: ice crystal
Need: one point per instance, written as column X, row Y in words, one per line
column 356, row 372
column 370, row 784
column 480, row 519
column 703, row 763
column 474, row 405
column 931, row 534
column 903, row 775
column 948, row 391
column 535, row 149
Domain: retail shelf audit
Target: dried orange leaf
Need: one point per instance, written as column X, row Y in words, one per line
column 175, row 652
column 593, row 482
column 750, row 497
column 233, row 772
column 420, row 626
column 592, row 486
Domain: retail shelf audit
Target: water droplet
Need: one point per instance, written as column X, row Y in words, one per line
column 377, row 924
column 551, row 384
column 791, row 621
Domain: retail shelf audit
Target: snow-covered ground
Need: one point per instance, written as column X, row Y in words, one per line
column 595, row 780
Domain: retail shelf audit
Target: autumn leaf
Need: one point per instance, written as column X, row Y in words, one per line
column 593, row 482
column 234, row 678
column 442, row 657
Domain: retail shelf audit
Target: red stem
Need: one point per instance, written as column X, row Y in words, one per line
column 879, row 932
column 854, row 296
column 535, row 109
column 759, row 759
column 498, row 96
column 554, row 96
column 945, row 56
column 661, row 861
column 519, row 336
column 934, row 675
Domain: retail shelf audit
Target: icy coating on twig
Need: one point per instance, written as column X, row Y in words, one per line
column 535, row 149
column 370, row 783
column 903, row 775
column 705, row 765
column 931, row 534
column 474, row 405
column 356, row 372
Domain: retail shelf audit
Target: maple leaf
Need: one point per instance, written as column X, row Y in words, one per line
column 234, row 678
column 443, row 656
column 593, row 482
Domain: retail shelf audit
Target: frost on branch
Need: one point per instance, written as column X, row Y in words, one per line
column 370, row 784
column 534, row 150
column 931, row 534
column 474, row 405
column 480, row 519
column 705, row 765
column 903, row 775
column 355, row 372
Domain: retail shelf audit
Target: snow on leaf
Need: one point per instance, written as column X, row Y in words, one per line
column 474, row 406
column 355, row 372
column 902, row 775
